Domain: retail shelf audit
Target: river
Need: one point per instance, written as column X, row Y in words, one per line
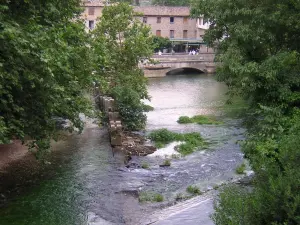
column 84, row 183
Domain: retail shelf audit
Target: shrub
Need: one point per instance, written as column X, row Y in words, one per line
column 130, row 107
column 275, row 197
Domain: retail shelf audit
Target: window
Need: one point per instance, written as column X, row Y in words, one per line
column 185, row 19
column 158, row 33
column 185, row 33
column 144, row 19
column 172, row 33
column 172, row 19
column 158, row 19
column 91, row 11
column 91, row 24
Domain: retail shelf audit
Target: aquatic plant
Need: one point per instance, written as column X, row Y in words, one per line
column 145, row 165
column 184, row 119
column 167, row 162
column 150, row 197
column 163, row 136
column 199, row 119
column 241, row 169
column 191, row 141
column 193, row 190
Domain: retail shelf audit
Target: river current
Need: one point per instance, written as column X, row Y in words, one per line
column 85, row 183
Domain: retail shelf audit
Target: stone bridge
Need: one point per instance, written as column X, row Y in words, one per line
column 203, row 62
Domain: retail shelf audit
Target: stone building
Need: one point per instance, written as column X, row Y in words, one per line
column 92, row 11
column 171, row 22
column 165, row 21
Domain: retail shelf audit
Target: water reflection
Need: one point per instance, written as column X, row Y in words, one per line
column 183, row 95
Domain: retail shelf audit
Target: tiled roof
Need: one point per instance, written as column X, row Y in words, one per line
column 93, row 2
column 163, row 10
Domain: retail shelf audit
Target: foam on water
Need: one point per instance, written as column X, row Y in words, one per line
column 167, row 151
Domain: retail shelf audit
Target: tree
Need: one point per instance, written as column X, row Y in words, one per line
column 45, row 69
column 171, row 2
column 161, row 43
column 120, row 42
column 259, row 57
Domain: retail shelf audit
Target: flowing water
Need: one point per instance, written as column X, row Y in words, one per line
column 85, row 183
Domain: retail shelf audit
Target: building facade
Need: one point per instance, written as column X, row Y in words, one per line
column 172, row 22
column 92, row 11
column 165, row 21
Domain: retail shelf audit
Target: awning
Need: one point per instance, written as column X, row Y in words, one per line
column 189, row 41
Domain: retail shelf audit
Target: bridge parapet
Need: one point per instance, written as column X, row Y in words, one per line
column 208, row 57
column 203, row 62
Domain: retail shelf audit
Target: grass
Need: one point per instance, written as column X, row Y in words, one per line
column 193, row 190
column 199, row 119
column 241, row 169
column 145, row 165
column 191, row 141
column 150, row 197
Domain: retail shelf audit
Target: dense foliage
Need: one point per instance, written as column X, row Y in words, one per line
column 49, row 64
column 258, row 44
column 161, row 42
column 171, row 2
column 45, row 68
column 120, row 41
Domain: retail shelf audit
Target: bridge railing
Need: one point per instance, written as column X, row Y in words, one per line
column 208, row 57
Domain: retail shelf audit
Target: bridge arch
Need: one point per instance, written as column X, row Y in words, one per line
column 180, row 70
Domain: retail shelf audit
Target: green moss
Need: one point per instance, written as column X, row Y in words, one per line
column 191, row 141
column 150, row 197
column 193, row 190
column 199, row 119
column 241, row 169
